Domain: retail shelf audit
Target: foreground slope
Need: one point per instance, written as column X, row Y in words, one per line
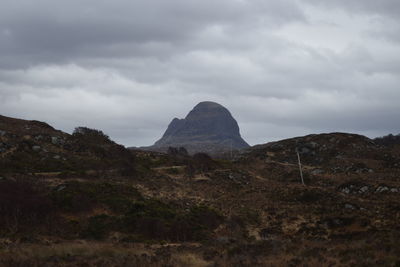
column 196, row 211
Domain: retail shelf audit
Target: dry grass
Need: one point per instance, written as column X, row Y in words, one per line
column 69, row 254
column 77, row 248
column 82, row 253
column 189, row 260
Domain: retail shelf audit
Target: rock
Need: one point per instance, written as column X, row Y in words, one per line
column 57, row 157
column 317, row 171
column 363, row 189
column 349, row 206
column 394, row 190
column 313, row 144
column 36, row 148
column 346, row 190
column 209, row 126
column 56, row 140
column 61, row 187
column 2, row 133
column 363, row 170
column 354, row 188
column 3, row 147
column 382, row 189
column 39, row 137
column 235, row 177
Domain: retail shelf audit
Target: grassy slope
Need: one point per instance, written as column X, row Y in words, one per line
column 183, row 211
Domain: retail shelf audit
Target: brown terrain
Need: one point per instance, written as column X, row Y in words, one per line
column 83, row 200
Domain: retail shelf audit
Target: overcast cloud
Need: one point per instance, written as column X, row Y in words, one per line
column 283, row 68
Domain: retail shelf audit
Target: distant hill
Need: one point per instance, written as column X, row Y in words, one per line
column 388, row 140
column 34, row 146
column 333, row 152
column 209, row 127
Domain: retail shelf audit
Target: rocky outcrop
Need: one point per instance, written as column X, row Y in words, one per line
column 36, row 147
column 327, row 154
column 209, row 127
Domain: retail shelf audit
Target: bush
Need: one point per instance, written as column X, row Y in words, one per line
column 200, row 163
column 98, row 227
column 173, row 171
column 23, row 207
column 155, row 220
column 91, row 135
column 388, row 140
column 97, row 151
column 250, row 216
column 83, row 196
column 177, row 152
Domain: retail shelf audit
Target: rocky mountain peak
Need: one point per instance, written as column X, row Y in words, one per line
column 208, row 127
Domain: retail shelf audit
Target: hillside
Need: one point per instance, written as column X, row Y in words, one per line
column 388, row 140
column 180, row 210
column 34, row 147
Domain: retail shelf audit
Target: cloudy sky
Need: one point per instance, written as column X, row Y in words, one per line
column 283, row 68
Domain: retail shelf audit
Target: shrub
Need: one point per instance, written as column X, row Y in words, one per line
column 91, row 135
column 177, row 152
column 98, row 227
column 200, row 163
column 155, row 220
column 97, row 151
column 173, row 171
column 250, row 216
column 83, row 196
column 23, row 207
column 388, row 140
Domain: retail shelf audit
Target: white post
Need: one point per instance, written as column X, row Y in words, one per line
column 231, row 151
column 301, row 172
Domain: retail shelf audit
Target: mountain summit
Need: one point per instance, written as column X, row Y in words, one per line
column 209, row 127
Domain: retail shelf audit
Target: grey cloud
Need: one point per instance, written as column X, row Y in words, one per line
column 129, row 67
column 30, row 34
column 383, row 15
column 384, row 7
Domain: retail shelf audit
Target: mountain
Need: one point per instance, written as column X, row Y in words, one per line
column 209, row 127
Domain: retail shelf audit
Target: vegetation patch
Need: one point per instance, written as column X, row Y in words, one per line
column 83, row 196
column 156, row 220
